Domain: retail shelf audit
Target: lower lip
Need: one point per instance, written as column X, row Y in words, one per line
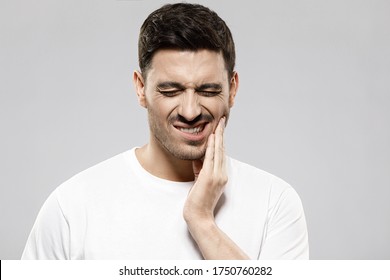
column 197, row 137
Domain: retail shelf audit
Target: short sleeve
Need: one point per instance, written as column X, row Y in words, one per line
column 286, row 234
column 49, row 237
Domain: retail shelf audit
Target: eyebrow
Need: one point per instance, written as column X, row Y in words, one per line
column 175, row 85
column 212, row 86
column 169, row 85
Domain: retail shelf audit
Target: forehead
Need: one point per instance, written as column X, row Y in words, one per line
column 187, row 67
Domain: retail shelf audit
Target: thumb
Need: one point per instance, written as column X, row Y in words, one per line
column 197, row 167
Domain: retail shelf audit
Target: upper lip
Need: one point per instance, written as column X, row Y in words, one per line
column 186, row 125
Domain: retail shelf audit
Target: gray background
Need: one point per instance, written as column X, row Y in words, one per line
column 313, row 106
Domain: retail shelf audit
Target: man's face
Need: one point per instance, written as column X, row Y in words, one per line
column 186, row 93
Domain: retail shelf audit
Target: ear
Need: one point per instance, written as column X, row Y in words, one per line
column 233, row 88
column 139, row 85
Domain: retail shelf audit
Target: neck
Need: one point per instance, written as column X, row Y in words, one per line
column 160, row 163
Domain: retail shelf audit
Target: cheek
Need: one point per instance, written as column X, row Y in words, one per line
column 162, row 107
column 219, row 108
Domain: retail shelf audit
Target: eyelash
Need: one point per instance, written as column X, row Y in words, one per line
column 202, row 93
column 169, row 93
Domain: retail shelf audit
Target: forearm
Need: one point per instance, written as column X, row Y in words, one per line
column 213, row 243
column 211, row 178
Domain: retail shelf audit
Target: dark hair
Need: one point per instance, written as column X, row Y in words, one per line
column 185, row 26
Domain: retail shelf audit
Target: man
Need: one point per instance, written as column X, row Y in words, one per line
column 179, row 196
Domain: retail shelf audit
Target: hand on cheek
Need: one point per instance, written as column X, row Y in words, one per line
column 210, row 179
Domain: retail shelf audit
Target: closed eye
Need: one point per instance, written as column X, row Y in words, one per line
column 209, row 93
column 169, row 89
column 169, row 93
column 209, row 89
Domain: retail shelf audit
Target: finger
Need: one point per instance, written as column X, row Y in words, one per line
column 197, row 167
column 219, row 148
column 208, row 162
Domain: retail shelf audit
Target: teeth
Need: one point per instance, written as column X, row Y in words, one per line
column 193, row 130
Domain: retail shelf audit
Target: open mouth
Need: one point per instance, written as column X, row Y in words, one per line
column 193, row 133
column 192, row 130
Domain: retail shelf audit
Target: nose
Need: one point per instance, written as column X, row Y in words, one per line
column 189, row 107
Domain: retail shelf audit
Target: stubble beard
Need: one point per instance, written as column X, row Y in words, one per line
column 189, row 150
column 185, row 151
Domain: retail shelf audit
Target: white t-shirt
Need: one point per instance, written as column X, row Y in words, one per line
column 117, row 210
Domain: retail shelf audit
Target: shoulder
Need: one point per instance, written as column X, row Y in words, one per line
column 94, row 182
column 243, row 171
column 103, row 171
column 256, row 182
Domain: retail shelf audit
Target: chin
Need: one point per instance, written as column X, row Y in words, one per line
column 190, row 156
column 189, row 153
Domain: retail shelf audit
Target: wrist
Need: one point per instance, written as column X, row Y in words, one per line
column 199, row 222
column 195, row 215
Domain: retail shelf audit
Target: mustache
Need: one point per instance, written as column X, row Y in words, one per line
column 200, row 118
